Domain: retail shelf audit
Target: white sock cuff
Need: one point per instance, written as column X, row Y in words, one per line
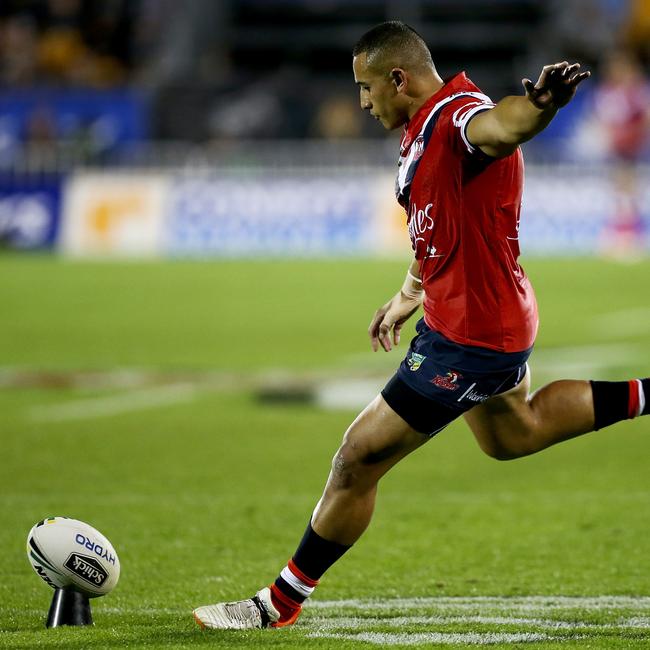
column 296, row 583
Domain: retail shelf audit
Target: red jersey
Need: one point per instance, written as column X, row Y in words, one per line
column 463, row 211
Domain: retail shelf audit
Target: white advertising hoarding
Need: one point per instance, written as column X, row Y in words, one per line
column 310, row 212
column 114, row 214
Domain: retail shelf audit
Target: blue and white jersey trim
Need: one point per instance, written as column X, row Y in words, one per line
column 408, row 164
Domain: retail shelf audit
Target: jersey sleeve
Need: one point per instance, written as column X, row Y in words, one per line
column 458, row 115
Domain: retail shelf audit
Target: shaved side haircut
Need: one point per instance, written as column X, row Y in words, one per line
column 394, row 44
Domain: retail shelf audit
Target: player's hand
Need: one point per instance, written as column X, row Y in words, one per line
column 556, row 85
column 389, row 318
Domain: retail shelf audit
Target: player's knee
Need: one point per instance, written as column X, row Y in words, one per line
column 351, row 465
column 502, row 453
column 345, row 467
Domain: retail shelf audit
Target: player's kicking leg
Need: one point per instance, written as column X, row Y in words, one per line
column 516, row 424
column 375, row 441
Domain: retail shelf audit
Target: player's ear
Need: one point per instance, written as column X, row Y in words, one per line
column 399, row 79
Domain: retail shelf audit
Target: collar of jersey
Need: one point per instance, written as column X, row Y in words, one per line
column 455, row 83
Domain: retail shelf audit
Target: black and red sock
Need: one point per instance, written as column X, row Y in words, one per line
column 300, row 577
column 620, row 400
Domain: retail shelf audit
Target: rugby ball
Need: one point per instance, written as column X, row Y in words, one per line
column 68, row 553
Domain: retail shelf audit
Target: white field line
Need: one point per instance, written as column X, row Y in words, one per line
column 441, row 638
column 597, row 603
column 355, row 623
column 326, row 623
column 100, row 407
column 583, row 359
column 495, row 611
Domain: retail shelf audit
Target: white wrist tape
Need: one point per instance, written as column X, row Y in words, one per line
column 412, row 287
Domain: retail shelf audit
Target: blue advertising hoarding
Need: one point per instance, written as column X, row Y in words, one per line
column 268, row 214
column 29, row 212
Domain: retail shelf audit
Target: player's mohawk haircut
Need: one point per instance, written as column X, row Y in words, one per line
column 393, row 40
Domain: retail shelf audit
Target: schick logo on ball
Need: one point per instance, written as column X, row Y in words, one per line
column 87, row 568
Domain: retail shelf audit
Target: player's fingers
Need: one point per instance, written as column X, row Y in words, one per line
column 576, row 79
column 374, row 324
column 549, row 72
column 548, row 69
column 569, row 72
column 529, row 86
column 543, row 77
column 397, row 329
column 376, row 320
column 384, row 335
column 373, row 329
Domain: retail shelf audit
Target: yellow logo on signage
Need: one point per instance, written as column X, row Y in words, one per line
column 114, row 214
column 109, row 215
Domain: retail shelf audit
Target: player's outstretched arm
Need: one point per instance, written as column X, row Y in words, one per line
column 499, row 131
column 393, row 315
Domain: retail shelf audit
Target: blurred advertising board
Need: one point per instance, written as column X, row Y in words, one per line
column 101, row 121
column 29, row 211
column 311, row 212
column 268, row 214
column 578, row 210
column 116, row 214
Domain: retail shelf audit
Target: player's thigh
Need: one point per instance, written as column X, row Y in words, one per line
column 504, row 421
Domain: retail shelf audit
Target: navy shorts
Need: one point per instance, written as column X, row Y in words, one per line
column 439, row 380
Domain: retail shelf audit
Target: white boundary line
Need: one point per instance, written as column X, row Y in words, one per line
column 465, row 602
column 101, row 407
column 480, row 611
column 326, row 623
column 441, row 638
column 355, row 623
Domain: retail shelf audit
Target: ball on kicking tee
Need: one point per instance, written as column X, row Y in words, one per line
column 68, row 553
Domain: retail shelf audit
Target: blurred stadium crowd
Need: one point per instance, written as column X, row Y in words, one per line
column 280, row 68
column 133, row 83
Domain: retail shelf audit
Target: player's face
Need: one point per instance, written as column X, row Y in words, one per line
column 378, row 94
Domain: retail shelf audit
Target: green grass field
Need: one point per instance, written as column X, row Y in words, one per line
column 128, row 400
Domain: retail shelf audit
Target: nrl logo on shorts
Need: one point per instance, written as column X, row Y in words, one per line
column 415, row 361
column 449, row 381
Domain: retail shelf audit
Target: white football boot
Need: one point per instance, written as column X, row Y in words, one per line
column 255, row 612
